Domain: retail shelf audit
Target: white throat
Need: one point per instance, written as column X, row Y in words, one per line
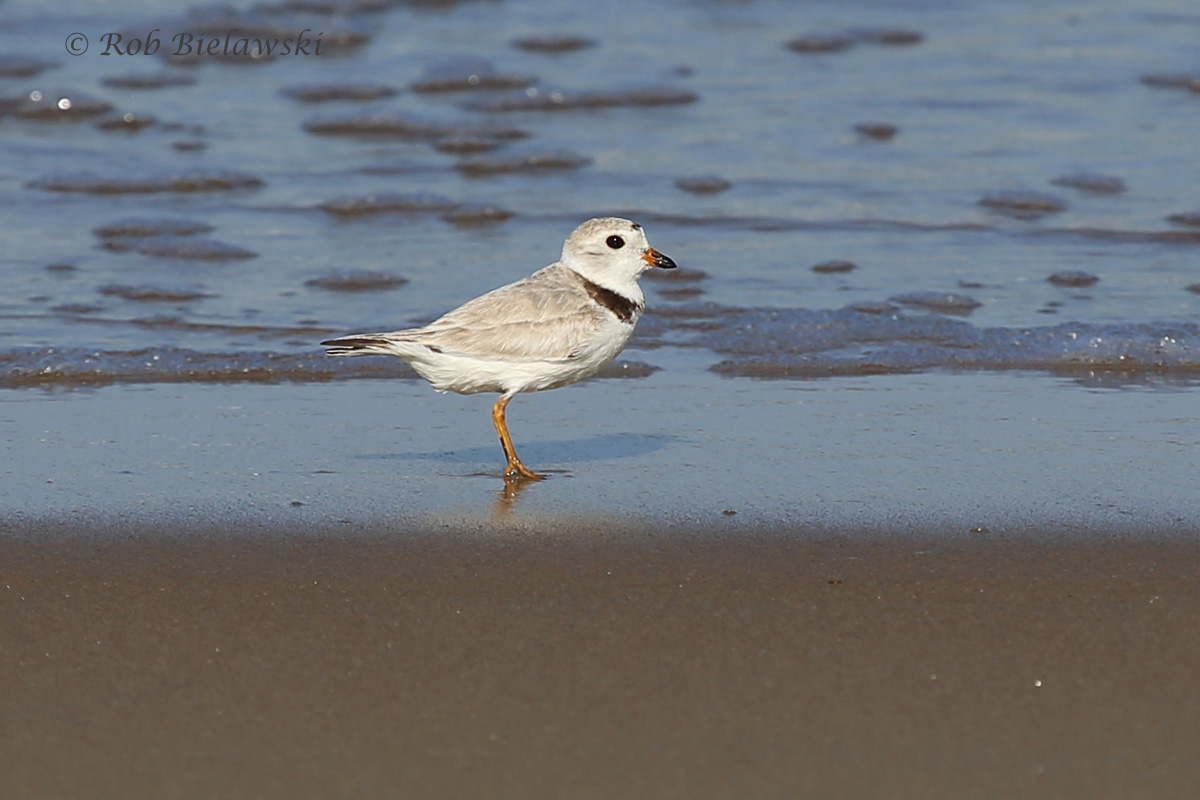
column 623, row 283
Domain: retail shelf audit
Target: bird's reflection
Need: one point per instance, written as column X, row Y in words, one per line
column 506, row 498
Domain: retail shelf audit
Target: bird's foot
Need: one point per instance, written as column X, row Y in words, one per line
column 516, row 471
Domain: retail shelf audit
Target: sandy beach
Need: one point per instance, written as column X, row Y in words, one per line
column 557, row 659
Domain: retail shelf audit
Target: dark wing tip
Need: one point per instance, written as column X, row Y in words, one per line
column 355, row 341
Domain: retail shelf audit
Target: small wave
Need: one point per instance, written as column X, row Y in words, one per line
column 817, row 43
column 162, row 80
column 1186, row 81
column 393, row 126
column 537, row 163
column 703, row 184
column 127, row 122
column 556, row 100
column 389, row 203
column 1189, row 219
column 1091, row 183
column 79, row 367
column 135, row 227
column 1073, row 278
column 879, row 131
column 467, row 75
column 149, row 294
column 555, row 43
column 1023, row 205
column 466, row 145
column 942, row 302
column 834, row 267
column 799, row 342
column 87, row 183
column 473, row 215
column 360, row 281
column 70, row 367
column 183, row 247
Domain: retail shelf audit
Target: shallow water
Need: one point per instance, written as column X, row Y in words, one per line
column 1031, row 214
column 994, row 453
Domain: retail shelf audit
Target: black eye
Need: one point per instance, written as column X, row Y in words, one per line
column 615, row 242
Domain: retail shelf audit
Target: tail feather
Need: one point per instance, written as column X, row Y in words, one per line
column 359, row 346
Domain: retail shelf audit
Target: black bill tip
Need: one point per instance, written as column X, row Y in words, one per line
column 657, row 259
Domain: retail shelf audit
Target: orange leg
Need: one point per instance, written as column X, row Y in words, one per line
column 514, row 468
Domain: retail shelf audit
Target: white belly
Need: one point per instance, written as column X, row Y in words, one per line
column 469, row 374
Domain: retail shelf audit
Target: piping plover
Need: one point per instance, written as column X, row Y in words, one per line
column 558, row 326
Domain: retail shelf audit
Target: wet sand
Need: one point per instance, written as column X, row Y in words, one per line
column 582, row 659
